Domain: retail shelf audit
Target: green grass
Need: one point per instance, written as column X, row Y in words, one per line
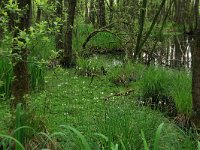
column 41, row 48
column 72, row 100
column 119, row 119
column 6, row 76
column 102, row 41
column 162, row 84
column 182, row 92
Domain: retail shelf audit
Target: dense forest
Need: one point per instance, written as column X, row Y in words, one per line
column 99, row 74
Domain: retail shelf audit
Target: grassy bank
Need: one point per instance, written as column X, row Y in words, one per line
column 101, row 109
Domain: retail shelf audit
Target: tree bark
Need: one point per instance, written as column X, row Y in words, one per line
column 196, row 80
column 67, row 55
column 59, row 35
column 92, row 12
column 86, row 12
column 111, row 11
column 20, row 85
column 101, row 14
column 39, row 14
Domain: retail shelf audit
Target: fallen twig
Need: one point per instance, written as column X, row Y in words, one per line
column 124, row 93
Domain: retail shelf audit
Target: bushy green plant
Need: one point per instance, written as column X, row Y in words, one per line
column 91, row 67
column 154, row 88
column 155, row 83
column 41, row 48
column 122, row 73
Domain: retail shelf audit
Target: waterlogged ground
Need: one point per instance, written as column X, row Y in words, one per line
column 72, row 99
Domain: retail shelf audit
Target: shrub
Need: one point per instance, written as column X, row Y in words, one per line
column 122, row 74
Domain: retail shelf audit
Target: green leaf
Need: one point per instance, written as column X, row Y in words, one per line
column 144, row 141
column 157, row 137
column 82, row 138
column 19, row 147
column 198, row 145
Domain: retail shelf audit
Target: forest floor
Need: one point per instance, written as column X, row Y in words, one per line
column 98, row 106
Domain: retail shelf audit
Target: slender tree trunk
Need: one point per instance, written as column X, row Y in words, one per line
column 20, row 85
column 59, row 35
column 39, row 14
column 92, row 12
column 141, row 21
column 178, row 18
column 86, row 12
column 2, row 5
column 196, row 12
column 67, row 55
column 111, row 11
column 101, row 13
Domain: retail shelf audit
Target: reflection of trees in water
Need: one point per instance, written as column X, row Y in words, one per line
column 175, row 53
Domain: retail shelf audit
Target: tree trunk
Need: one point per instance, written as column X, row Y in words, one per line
column 101, row 14
column 39, row 14
column 196, row 72
column 59, row 35
column 1, row 27
column 67, row 55
column 196, row 80
column 111, row 11
column 20, row 85
column 86, row 12
column 92, row 12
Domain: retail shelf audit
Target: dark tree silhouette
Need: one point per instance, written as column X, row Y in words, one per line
column 101, row 13
column 67, row 55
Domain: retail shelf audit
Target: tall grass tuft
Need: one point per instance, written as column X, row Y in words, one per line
column 122, row 73
column 6, row 76
column 123, row 125
column 181, row 92
column 154, row 88
column 156, row 139
column 37, row 80
column 167, row 89
column 85, row 144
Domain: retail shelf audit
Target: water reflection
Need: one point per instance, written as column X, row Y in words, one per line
column 175, row 53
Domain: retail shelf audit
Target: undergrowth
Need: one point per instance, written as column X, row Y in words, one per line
column 161, row 86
